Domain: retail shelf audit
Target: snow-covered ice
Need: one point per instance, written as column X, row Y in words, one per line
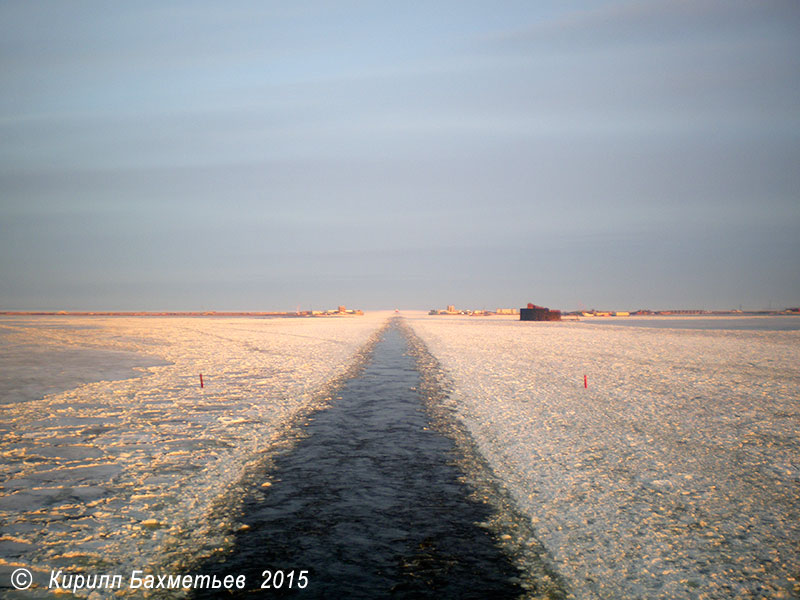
column 111, row 451
column 676, row 474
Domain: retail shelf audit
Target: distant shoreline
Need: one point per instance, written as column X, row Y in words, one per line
column 336, row 313
column 677, row 315
column 62, row 313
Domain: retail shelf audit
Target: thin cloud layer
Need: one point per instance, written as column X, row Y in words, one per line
column 263, row 156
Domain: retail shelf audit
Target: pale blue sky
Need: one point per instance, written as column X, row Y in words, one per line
column 256, row 156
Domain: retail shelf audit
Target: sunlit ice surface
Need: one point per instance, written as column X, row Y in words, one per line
column 111, row 450
column 675, row 473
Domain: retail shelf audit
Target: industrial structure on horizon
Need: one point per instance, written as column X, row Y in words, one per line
column 538, row 313
column 452, row 310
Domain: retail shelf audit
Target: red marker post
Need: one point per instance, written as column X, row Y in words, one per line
column 201, row 380
column 585, row 382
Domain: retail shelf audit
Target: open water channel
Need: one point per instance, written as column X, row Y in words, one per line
column 369, row 504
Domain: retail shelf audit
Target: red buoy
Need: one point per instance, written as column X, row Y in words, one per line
column 201, row 380
column 585, row 382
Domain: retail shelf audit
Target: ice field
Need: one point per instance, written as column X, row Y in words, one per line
column 107, row 462
column 675, row 474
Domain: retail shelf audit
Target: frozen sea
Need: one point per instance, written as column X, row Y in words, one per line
column 733, row 323
column 113, row 456
column 674, row 474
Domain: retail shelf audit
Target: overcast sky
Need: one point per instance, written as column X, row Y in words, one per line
column 256, row 155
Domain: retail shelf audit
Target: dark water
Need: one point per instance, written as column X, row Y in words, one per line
column 370, row 504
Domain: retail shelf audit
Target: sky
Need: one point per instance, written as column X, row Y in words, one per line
column 274, row 155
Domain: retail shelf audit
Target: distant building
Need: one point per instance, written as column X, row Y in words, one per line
column 538, row 313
